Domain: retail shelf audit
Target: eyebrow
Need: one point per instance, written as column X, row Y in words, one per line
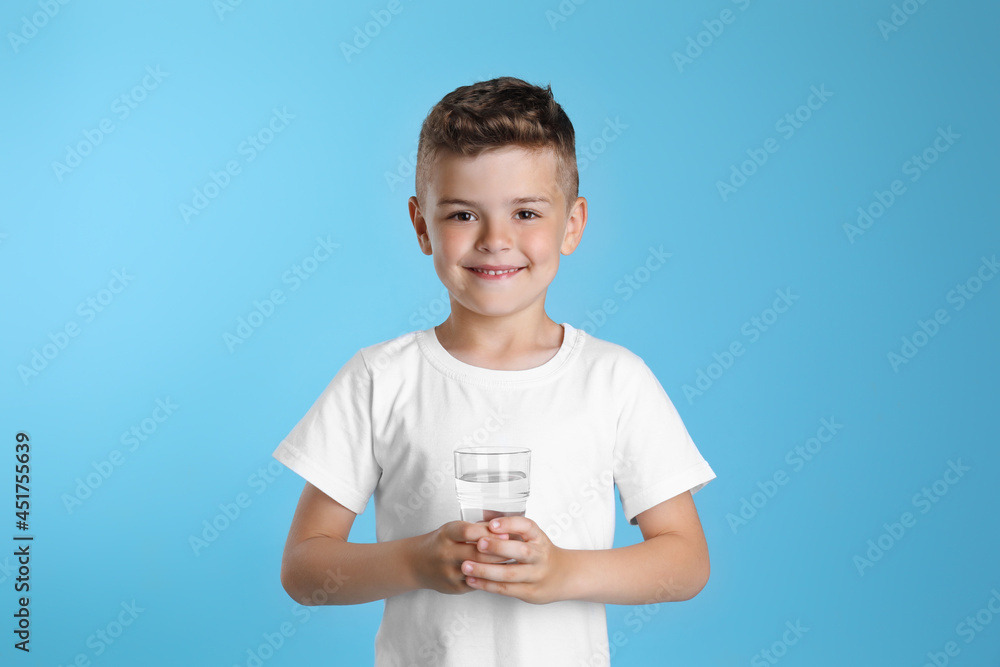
column 531, row 199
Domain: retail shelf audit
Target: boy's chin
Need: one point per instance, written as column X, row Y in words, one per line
column 507, row 306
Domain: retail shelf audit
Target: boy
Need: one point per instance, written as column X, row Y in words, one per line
column 496, row 206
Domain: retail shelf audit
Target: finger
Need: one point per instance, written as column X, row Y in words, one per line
column 474, row 554
column 462, row 531
column 470, row 532
column 519, row 525
column 489, row 533
column 506, row 549
column 499, row 573
column 499, row 587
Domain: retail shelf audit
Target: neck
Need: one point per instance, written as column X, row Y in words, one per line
column 525, row 332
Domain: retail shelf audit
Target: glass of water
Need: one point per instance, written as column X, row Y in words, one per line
column 492, row 481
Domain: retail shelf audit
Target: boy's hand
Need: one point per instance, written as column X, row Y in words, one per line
column 540, row 574
column 440, row 553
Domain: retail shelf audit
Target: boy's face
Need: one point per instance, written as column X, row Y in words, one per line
column 502, row 208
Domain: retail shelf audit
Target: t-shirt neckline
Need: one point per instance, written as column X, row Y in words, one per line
column 444, row 361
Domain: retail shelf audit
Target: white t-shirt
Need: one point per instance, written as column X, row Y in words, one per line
column 594, row 415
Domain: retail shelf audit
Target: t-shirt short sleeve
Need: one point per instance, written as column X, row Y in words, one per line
column 331, row 447
column 655, row 458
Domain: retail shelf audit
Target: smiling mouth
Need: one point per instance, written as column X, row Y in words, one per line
column 491, row 272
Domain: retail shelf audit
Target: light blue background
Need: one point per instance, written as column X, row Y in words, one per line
column 324, row 175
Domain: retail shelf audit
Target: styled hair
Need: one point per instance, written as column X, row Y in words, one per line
column 494, row 114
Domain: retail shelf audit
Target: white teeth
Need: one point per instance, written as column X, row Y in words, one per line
column 493, row 273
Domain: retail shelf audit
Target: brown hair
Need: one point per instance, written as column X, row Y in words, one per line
column 496, row 113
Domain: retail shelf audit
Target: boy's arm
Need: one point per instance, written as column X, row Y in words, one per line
column 671, row 564
column 319, row 565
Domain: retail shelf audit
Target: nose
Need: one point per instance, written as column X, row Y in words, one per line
column 496, row 235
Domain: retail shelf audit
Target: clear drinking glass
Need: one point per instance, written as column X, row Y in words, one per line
column 492, row 481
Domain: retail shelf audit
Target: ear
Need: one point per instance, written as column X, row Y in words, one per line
column 420, row 226
column 575, row 223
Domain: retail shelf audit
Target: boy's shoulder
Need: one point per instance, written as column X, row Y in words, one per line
column 381, row 354
column 605, row 353
column 601, row 347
